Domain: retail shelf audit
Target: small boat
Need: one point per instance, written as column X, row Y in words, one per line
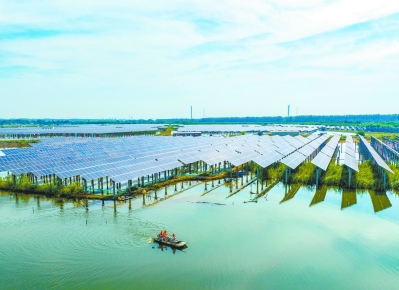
column 177, row 244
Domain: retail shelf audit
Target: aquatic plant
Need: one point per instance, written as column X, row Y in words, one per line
column 24, row 184
column 393, row 179
column 276, row 171
column 305, row 174
column 365, row 177
column 167, row 132
column 17, row 143
column 333, row 175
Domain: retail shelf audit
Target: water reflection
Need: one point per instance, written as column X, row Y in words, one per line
column 342, row 198
column 165, row 248
column 319, row 196
column 348, row 198
column 290, row 191
column 380, row 200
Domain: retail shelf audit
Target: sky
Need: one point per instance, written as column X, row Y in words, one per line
column 155, row 59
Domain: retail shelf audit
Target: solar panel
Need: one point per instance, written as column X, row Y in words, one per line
column 293, row 142
column 351, row 162
column 306, row 150
column 374, row 155
column 268, row 159
column 133, row 157
column 322, row 161
column 293, row 160
column 350, row 156
column 302, row 139
column 81, row 129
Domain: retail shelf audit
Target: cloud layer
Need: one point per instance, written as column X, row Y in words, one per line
column 234, row 58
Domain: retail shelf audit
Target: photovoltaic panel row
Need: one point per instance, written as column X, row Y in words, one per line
column 323, row 159
column 349, row 146
column 350, row 156
column 268, row 159
column 377, row 158
column 121, row 157
column 293, row 160
column 351, row 162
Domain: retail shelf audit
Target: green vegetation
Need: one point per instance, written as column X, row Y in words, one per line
column 375, row 123
column 167, row 132
column 381, row 136
column 393, row 179
column 365, row 177
column 333, row 175
column 361, row 133
column 237, row 134
column 23, row 184
column 276, row 171
column 17, row 143
column 305, row 174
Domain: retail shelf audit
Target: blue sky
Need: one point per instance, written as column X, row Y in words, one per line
column 121, row 59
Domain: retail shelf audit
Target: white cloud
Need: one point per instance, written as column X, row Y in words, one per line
column 216, row 55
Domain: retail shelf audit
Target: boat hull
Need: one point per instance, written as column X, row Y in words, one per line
column 178, row 244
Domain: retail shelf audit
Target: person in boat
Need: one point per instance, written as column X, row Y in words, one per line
column 160, row 235
column 165, row 235
column 174, row 239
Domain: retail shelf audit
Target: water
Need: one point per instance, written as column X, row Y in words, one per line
column 324, row 239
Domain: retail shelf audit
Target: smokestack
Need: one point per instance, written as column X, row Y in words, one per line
column 289, row 110
column 191, row 112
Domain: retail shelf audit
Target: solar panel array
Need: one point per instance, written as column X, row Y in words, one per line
column 246, row 128
column 293, row 160
column 350, row 155
column 374, row 155
column 81, row 129
column 124, row 159
column 123, row 128
column 323, row 159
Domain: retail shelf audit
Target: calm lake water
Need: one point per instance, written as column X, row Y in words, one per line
column 297, row 239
